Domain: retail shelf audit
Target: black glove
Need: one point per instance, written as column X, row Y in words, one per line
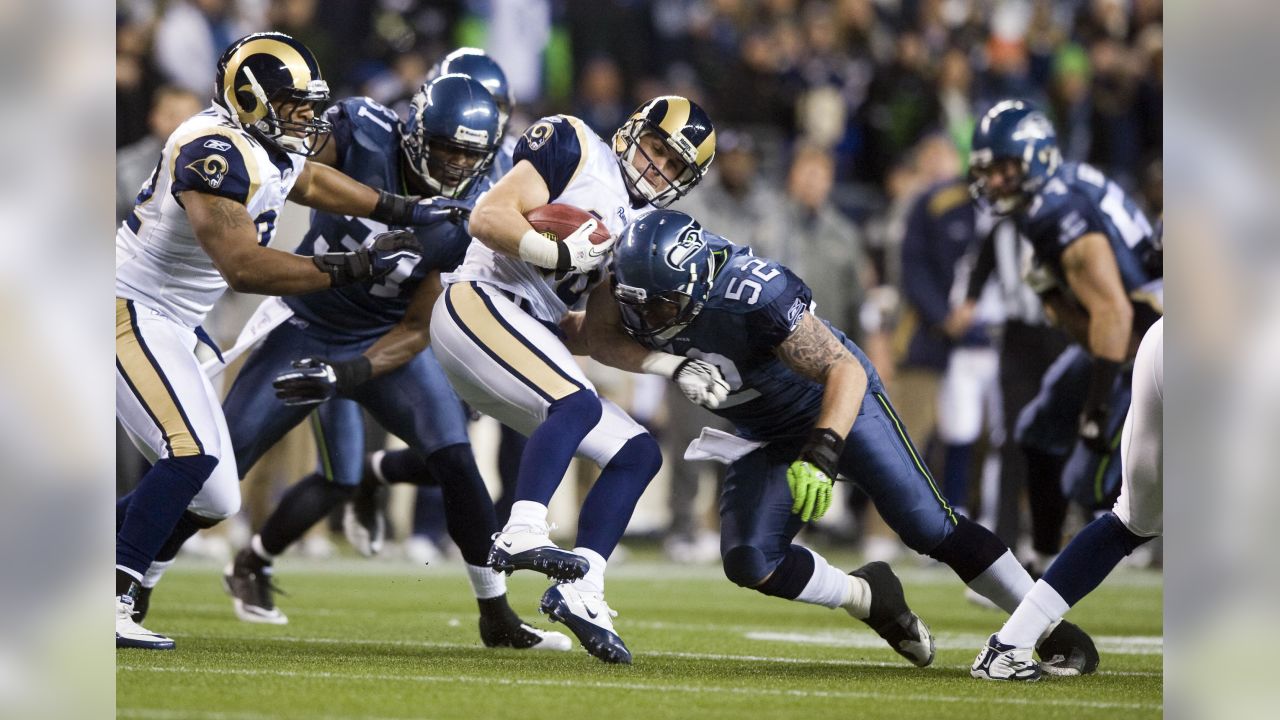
column 413, row 210
column 369, row 263
column 1097, row 406
column 315, row 380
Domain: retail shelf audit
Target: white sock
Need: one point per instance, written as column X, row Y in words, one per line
column 156, row 571
column 831, row 587
column 593, row 581
column 256, row 545
column 527, row 512
column 1004, row 583
column 485, row 582
column 375, row 462
column 1038, row 610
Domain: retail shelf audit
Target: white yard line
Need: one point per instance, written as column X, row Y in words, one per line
column 578, row 684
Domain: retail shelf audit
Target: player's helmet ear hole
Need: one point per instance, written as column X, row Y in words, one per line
column 686, row 132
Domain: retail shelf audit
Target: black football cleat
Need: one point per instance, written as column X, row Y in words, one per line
column 1067, row 650
column 890, row 617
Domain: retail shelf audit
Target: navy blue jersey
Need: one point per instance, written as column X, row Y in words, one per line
column 755, row 304
column 1080, row 200
column 367, row 136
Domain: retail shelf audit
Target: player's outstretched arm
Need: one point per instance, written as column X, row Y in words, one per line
column 324, row 188
column 227, row 233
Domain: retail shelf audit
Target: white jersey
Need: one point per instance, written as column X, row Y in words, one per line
column 581, row 170
column 159, row 262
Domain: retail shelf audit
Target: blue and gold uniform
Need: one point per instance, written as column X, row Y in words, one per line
column 414, row 401
column 1079, row 200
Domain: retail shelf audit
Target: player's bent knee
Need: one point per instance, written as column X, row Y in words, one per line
column 640, row 453
column 1132, row 541
column 746, row 566
column 219, row 498
column 583, row 406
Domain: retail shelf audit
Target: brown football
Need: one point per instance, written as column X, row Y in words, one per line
column 557, row 221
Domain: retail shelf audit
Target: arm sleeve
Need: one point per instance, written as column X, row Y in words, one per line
column 214, row 164
column 554, row 146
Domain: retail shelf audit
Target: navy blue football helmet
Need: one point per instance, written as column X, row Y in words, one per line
column 662, row 275
column 452, row 133
column 686, row 130
column 477, row 65
column 1014, row 153
column 262, row 80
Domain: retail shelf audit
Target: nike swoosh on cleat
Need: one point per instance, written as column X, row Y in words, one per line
column 593, row 615
column 506, row 542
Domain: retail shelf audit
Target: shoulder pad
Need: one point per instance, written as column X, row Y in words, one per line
column 556, row 146
column 216, row 162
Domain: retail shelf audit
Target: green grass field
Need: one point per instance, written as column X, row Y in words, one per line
column 390, row 640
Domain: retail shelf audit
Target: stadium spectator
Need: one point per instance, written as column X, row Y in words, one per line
column 135, row 163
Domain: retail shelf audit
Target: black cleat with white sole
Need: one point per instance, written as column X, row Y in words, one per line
column 892, row 619
column 589, row 618
column 1068, row 650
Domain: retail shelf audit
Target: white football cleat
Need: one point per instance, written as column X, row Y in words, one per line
column 130, row 634
column 997, row 661
column 590, row 618
column 529, row 547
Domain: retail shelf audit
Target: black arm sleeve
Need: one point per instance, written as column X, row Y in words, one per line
column 983, row 267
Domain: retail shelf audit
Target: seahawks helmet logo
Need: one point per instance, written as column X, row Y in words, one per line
column 689, row 245
column 211, row 169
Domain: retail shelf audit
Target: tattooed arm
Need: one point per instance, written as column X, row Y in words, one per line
column 227, row 233
column 815, row 353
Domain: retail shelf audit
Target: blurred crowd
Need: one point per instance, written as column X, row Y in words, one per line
column 843, row 141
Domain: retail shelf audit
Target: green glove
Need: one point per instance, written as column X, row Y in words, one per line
column 811, row 489
column 810, row 477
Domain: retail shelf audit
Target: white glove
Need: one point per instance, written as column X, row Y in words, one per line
column 582, row 255
column 700, row 381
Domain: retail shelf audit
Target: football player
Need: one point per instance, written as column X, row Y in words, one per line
column 201, row 223
column 363, row 519
column 1100, row 274
column 366, row 346
column 1138, row 516
column 807, row 406
column 495, row 333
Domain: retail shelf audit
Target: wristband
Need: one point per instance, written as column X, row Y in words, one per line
column 351, row 373
column 823, row 449
column 541, row 251
column 393, row 209
column 660, row 363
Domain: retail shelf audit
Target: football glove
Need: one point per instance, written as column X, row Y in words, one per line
column 701, row 382
column 369, row 263
column 577, row 252
column 1097, row 405
column 314, row 380
column 811, row 476
column 413, row 210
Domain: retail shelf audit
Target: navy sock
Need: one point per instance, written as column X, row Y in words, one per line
column 608, row 507
column 552, row 445
column 969, row 550
column 1090, row 557
column 406, row 466
column 155, row 506
column 122, row 507
column 955, row 474
column 1044, row 496
column 306, row 503
column 468, row 509
column 791, row 575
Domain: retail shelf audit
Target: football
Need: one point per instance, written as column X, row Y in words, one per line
column 557, row 221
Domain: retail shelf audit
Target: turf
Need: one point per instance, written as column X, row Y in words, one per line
column 389, row 640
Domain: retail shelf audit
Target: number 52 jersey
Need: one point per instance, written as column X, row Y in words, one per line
column 159, row 261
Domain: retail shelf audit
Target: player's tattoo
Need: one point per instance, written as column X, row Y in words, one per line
column 226, row 213
column 812, row 350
